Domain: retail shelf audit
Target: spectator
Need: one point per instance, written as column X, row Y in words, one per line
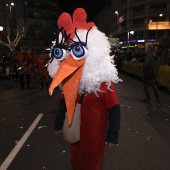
column 150, row 69
column 23, row 72
column 31, row 58
column 42, row 63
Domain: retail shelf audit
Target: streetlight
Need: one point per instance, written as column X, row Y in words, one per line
column 117, row 13
column 1, row 28
column 160, row 15
column 116, row 24
column 132, row 32
column 10, row 7
column 11, row 19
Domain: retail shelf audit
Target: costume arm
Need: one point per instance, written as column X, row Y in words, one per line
column 114, row 124
column 60, row 116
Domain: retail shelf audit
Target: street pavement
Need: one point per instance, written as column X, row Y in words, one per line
column 28, row 141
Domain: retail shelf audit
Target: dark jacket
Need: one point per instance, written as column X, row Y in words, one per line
column 150, row 67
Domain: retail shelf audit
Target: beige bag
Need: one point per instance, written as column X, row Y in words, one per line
column 72, row 133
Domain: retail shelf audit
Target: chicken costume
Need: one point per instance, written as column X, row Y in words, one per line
column 82, row 65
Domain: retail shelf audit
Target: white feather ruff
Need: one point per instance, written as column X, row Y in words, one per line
column 99, row 65
column 53, row 67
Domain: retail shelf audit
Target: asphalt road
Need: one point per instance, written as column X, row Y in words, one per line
column 28, row 142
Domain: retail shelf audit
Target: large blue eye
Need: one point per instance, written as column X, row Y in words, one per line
column 78, row 52
column 59, row 53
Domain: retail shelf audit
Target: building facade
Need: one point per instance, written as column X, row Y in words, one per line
column 40, row 17
column 103, row 19
column 104, row 22
column 138, row 23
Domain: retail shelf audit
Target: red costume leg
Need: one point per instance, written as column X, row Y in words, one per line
column 84, row 159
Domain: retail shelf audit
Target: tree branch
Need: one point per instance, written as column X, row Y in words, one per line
column 8, row 35
column 21, row 30
column 4, row 43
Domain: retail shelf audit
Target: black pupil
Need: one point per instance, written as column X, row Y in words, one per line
column 77, row 48
column 56, row 52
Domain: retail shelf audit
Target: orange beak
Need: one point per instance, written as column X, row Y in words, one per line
column 69, row 73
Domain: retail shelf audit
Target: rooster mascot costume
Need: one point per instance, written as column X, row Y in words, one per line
column 81, row 63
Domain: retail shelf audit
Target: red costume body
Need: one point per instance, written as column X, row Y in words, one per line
column 26, row 59
column 31, row 58
column 20, row 59
column 41, row 62
column 94, row 126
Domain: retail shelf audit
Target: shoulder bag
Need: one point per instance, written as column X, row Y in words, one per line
column 71, row 133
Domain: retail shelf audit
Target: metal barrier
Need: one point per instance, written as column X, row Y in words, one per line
column 164, row 76
column 135, row 68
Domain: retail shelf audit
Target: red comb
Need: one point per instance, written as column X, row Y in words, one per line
column 65, row 21
column 79, row 21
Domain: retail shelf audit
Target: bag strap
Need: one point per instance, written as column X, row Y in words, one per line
column 81, row 98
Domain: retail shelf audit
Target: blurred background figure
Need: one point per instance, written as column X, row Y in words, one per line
column 11, row 64
column 150, row 71
column 31, row 65
column 23, row 68
column 42, row 63
column 8, row 70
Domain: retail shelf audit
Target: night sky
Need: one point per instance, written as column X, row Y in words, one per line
column 91, row 6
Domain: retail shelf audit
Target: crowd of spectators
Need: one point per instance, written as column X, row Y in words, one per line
column 34, row 61
column 120, row 55
column 164, row 56
column 8, row 69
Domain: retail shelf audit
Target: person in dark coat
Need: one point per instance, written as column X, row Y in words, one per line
column 150, row 71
